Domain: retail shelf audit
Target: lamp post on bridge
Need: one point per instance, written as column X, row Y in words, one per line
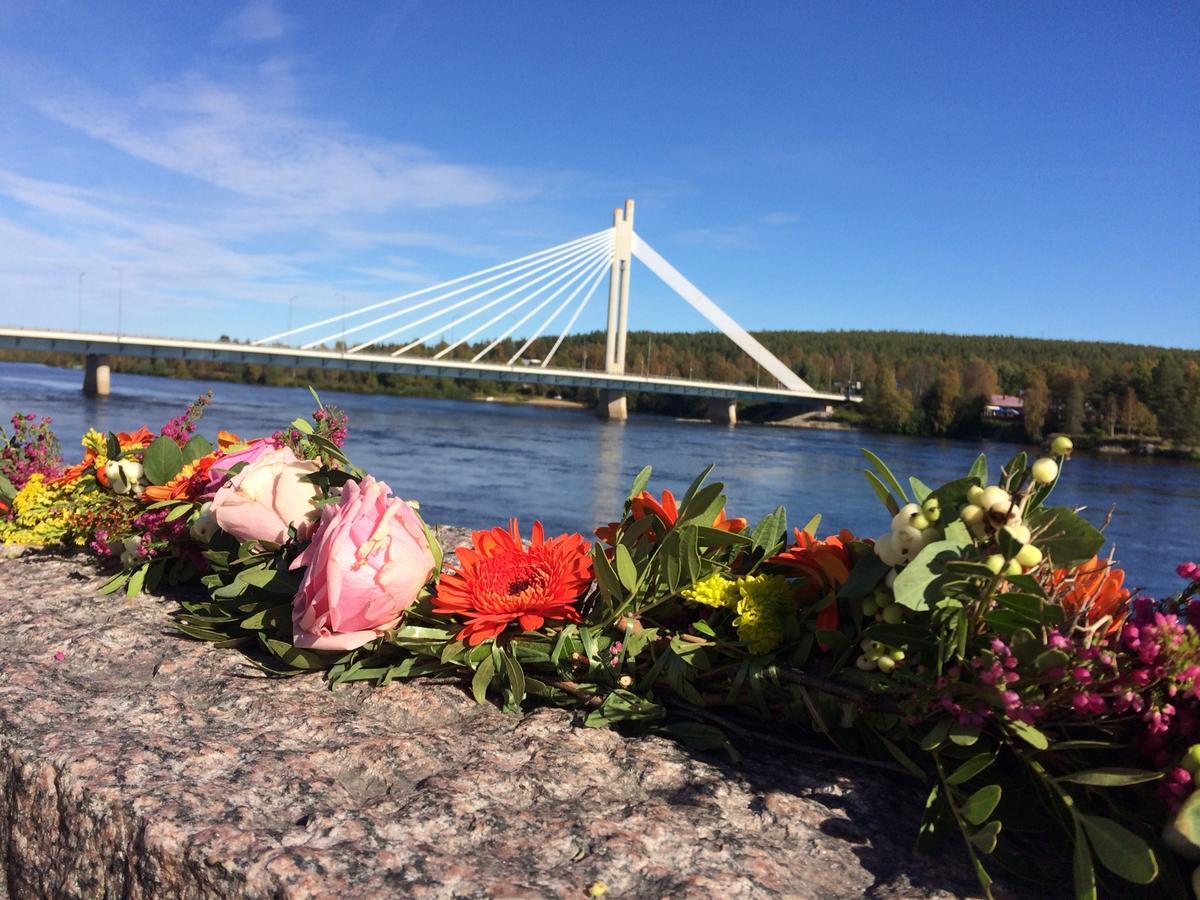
column 343, row 296
column 120, row 295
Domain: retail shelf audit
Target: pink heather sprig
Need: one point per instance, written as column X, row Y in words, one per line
column 181, row 428
column 32, row 449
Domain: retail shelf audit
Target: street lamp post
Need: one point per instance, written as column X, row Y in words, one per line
column 343, row 296
column 120, row 295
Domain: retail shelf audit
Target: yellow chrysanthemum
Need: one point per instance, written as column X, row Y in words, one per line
column 766, row 607
column 96, row 442
column 44, row 512
column 714, row 590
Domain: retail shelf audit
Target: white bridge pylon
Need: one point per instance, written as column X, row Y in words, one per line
column 571, row 271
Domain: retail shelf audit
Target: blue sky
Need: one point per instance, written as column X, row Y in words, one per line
column 1010, row 168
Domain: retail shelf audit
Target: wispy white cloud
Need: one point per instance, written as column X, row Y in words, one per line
column 732, row 237
column 255, row 23
column 263, row 202
column 775, row 219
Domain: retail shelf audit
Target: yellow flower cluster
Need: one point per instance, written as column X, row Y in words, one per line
column 43, row 513
column 765, row 606
column 98, row 443
column 714, row 590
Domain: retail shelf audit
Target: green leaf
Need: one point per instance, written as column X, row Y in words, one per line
column 112, row 447
column 515, row 676
column 985, row 838
column 624, row 706
column 114, row 584
column 769, row 534
column 1028, row 734
column 1064, row 536
column 162, row 461
column 1085, row 873
column 864, row 577
column 1182, row 833
column 981, row 804
column 1120, row 850
column 901, row 757
column 196, row 447
column 914, row 586
column 970, row 768
column 639, row 482
column 626, row 570
column 7, row 490
column 606, row 578
column 920, row 489
column 483, row 678
column 979, row 470
column 937, row 734
column 964, row 735
column 1050, row 659
column 882, row 492
column 812, row 525
column 1111, row 777
column 886, row 474
column 695, row 486
column 181, row 510
column 136, row 580
column 935, row 820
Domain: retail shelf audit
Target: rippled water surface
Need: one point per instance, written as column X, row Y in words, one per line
column 476, row 464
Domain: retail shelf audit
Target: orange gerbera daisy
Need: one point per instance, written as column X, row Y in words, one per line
column 667, row 512
column 500, row 581
column 1095, row 589
column 189, row 484
column 824, row 566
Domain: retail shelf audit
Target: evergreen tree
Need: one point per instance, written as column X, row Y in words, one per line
column 1037, row 405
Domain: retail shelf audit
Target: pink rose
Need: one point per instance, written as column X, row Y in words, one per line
column 268, row 495
column 248, row 453
column 367, row 563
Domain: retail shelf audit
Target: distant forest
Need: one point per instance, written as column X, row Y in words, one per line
column 911, row 383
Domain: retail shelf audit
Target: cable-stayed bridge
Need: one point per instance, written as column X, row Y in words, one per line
column 547, row 290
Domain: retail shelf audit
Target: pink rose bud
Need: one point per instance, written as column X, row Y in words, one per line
column 263, row 499
column 367, row 563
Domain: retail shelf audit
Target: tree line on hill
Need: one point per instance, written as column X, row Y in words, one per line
column 912, row 383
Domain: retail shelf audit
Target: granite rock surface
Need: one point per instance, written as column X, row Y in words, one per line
column 136, row 763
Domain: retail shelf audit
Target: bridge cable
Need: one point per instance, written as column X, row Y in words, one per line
column 580, row 271
column 571, row 321
column 490, row 303
column 581, row 282
column 535, row 265
column 426, row 290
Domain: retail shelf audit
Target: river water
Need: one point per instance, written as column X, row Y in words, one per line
column 477, row 464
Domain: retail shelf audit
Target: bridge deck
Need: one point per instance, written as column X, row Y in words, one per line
column 223, row 351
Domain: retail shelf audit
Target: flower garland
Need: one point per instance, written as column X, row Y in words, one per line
column 980, row 644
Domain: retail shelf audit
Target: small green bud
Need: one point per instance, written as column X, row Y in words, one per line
column 885, row 664
column 975, row 494
column 995, row 563
column 1013, row 568
column 894, row 614
column 869, row 606
column 1061, row 446
column 897, row 654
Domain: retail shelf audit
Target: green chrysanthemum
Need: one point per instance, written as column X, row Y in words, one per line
column 714, row 590
column 765, row 607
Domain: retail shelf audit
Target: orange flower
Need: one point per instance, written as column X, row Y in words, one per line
column 667, row 512
column 191, row 481
column 1095, row 589
column 824, row 565
column 500, row 581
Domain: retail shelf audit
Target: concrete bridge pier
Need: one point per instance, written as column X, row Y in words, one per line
column 722, row 411
column 96, row 375
column 612, row 405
